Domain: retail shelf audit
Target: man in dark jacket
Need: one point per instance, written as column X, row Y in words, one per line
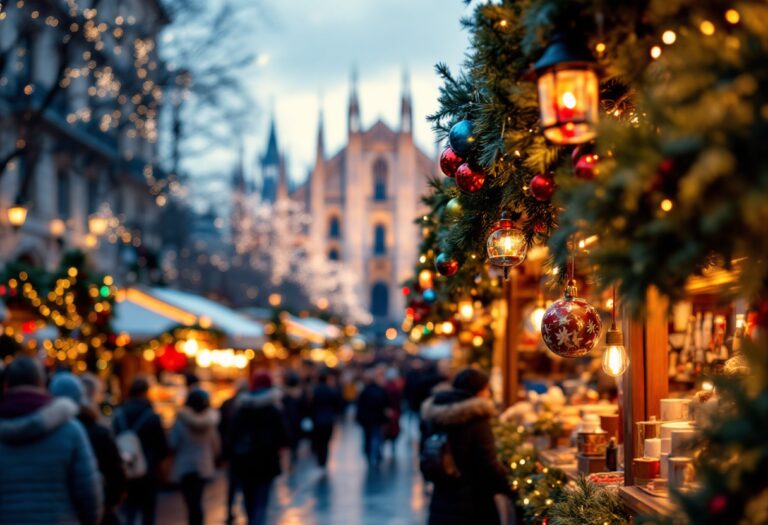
column 259, row 438
column 48, row 472
column 137, row 415
column 325, row 406
column 372, row 415
column 464, row 415
column 66, row 384
column 227, row 412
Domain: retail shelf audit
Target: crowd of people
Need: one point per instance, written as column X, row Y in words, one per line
column 55, row 445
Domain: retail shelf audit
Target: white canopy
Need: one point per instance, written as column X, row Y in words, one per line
column 147, row 312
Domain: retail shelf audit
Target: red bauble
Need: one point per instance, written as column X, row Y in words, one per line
column 585, row 161
column 450, row 161
column 470, row 179
column 446, row 265
column 543, row 186
column 718, row 504
column 540, row 228
column 571, row 326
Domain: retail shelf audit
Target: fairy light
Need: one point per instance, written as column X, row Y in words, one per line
column 655, row 52
column 669, row 37
column 732, row 16
column 707, row 28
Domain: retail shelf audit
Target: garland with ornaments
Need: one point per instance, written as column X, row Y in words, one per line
column 78, row 302
column 543, row 495
column 639, row 125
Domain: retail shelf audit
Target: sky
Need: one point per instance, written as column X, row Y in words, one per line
column 307, row 50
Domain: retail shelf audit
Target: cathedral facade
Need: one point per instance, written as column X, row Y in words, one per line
column 364, row 200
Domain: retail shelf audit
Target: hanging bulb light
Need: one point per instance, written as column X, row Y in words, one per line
column 568, row 91
column 615, row 359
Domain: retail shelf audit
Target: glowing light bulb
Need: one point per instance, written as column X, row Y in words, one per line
column 615, row 360
column 569, row 100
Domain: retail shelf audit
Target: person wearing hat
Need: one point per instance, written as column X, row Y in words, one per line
column 68, row 385
column 259, row 444
column 464, row 414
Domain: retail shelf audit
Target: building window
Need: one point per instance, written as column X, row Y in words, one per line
column 334, row 228
column 380, row 240
column 380, row 180
column 380, row 300
column 333, row 255
column 63, row 195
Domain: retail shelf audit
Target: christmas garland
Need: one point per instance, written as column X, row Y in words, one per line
column 676, row 180
column 544, row 495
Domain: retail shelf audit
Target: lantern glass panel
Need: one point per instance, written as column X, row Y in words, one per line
column 568, row 97
column 506, row 247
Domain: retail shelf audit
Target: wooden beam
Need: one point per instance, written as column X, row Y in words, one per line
column 512, row 329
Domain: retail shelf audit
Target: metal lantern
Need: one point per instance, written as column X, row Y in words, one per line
column 506, row 244
column 17, row 215
column 568, row 91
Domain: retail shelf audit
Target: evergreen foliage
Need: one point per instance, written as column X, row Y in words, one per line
column 686, row 130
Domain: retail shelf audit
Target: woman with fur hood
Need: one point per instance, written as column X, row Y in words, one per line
column 195, row 442
column 464, row 414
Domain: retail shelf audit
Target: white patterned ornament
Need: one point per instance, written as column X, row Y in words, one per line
column 571, row 326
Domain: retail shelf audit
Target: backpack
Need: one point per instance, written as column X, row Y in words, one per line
column 129, row 445
column 436, row 461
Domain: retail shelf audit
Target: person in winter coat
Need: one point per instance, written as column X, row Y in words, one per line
column 260, row 438
column 195, row 443
column 372, row 415
column 464, row 414
column 66, row 384
column 324, row 408
column 394, row 389
column 48, row 471
column 137, row 415
column 294, row 407
column 227, row 413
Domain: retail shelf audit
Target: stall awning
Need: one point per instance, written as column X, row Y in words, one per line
column 312, row 329
column 144, row 311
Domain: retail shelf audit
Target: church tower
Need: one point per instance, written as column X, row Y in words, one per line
column 270, row 164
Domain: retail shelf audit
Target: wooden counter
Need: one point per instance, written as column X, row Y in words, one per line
column 639, row 502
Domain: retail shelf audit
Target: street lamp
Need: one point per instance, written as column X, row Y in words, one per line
column 17, row 215
column 97, row 225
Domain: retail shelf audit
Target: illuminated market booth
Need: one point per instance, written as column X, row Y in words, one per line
column 178, row 337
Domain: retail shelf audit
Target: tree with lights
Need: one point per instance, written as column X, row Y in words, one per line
column 76, row 301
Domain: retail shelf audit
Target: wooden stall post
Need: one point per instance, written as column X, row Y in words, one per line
column 646, row 382
column 512, row 326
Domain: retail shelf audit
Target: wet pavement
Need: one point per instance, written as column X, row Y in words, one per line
column 348, row 493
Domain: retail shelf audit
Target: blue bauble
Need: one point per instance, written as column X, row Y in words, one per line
column 462, row 138
column 429, row 296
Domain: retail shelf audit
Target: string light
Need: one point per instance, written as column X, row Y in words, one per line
column 669, row 37
column 655, row 52
column 707, row 28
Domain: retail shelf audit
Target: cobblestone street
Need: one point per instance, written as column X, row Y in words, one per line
column 348, row 494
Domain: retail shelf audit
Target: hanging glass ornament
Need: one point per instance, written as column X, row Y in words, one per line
column 446, row 265
column 506, row 244
column 571, row 326
column 462, row 138
column 450, row 162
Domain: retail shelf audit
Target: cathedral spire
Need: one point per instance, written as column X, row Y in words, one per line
column 320, row 151
column 353, row 114
column 406, row 112
column 272, row 154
